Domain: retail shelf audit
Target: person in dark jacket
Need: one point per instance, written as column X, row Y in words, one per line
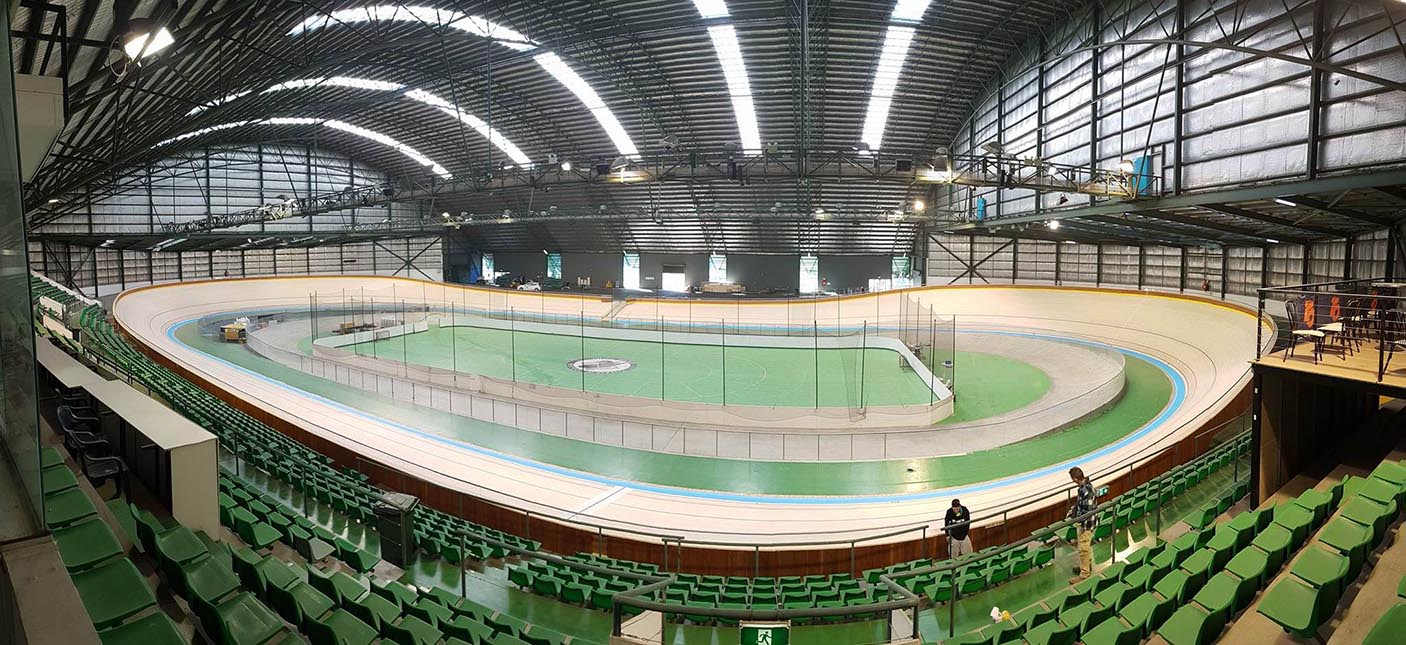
column 1083, row 507
column 958, row 527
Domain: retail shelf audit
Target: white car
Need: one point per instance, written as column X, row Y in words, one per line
column 529, row 286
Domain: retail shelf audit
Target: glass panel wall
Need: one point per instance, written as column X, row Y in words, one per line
column 20, row 502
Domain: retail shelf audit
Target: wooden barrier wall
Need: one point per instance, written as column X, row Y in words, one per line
column 563, row 539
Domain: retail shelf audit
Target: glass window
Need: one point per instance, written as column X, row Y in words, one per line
column 717, row 268
column 902, row 266
column 632, row 271
column 810, row 274
column 554, row 265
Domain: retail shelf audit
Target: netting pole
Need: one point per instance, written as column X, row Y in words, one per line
column 863, row 350
column 405, row 342
column 815, row 341
column 932, row 358
column 454, row 355
column 581, row 330
column 512, row 343
column 662, row 372
column 312, row 314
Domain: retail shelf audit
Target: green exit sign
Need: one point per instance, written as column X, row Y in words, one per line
column 766, row 634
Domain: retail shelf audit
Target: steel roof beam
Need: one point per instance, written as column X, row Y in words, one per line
column 1316, row 204
column 1249, row 193
column 1245, row 213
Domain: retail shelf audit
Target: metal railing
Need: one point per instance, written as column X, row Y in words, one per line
column 1337, row 318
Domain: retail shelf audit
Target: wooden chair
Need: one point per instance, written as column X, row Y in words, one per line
column 1302, row 330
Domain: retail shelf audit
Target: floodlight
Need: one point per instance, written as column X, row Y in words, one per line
column 1053, row 225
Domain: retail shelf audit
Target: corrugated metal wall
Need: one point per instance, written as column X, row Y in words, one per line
column 226, row 180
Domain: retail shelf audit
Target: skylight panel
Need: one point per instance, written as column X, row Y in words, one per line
column 711, row 8
column 202, row 131
column 559, row 70
column 388, row 141
column 336, row 81
column 735, row 71
column 897, row 40
column 479, row 125
column 343, row 126
column 896, row 43
column 909, row 10
column 475, row 25
column 482, row 27
column 216, row 103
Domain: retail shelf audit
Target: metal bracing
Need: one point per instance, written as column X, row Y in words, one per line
column 1246, row 213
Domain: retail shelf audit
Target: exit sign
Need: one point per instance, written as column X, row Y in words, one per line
column 766, row 634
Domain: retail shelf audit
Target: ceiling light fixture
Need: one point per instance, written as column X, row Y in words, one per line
column 918, row 205
column 1053, row 225
column 1281, row 200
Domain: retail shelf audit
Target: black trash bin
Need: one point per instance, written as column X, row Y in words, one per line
column 395, row 521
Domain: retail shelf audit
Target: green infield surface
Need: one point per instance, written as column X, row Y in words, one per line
column 800, row 377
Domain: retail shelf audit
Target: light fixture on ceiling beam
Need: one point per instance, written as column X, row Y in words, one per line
column 1271, row 240
column 566, row 166
column 1284, row 201
column 918, row 205
column 993, row 148
column 1126, row 166
column 144, row 38
column 1053, row 225
column 620, row 163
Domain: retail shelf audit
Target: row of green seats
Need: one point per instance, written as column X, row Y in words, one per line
column 1303, row 601
column 454, row 538
column 261, row 519
column 116, row 596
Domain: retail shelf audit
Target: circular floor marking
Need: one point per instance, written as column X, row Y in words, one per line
column 600, row 365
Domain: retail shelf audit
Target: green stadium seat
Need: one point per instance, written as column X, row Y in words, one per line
column 1297, row 520
column 1147, row 612
column 1389, row 628
column 113, row 592
column 1118, row 595
column 1348, row 538
column 1191, row 625
column 207, row 581
column 299, row 603
column 336, row 585
column 410, row 630
column 339, row 628
column 153, row 629
column 1321, row 567
column 1298, row 607
column 241, row 620
column 374, row 610
column 1047, row 633
column 467, row 629
column 85, row 544
column 1112, row 632
column 66, row 507
column 393, row 591
column 57, row 478
column 1033, row 616
column 1176, row 585
column 1276, row 542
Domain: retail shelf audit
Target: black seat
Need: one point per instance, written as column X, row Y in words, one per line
column 92, row 451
